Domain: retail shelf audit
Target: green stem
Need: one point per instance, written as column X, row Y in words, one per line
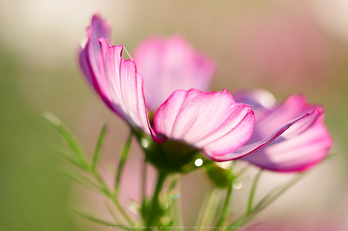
column 225, row 209
column 97, row 220
column 143, row 190
column 97, row 149
column 155, row 209
column 144, row 180
column 246, row 217
column 107, row 192
column 112, row 213
column 175, row 203
column 252, row 193
column 121, row 211
column 208, row 210
column 123, row 159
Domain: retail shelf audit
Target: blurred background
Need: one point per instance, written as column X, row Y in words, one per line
column 283, row 46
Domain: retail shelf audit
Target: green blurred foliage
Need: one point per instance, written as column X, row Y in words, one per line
column 33, row 195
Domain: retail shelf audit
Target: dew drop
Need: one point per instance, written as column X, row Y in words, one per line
column 133, row 207
column 144, row 143
column 165, row 206
column 175, row 194
column 199, row 162
column 237, row 184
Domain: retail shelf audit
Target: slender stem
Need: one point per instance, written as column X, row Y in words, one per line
column 208, row 210
column 241, row 172
column 112, row 213
column 97, row 220
column 123, row 159
column 97, row 149
column 107, row 192
column 155, row 209
column 282, row 190
column 248, row 214
column 225, row 209
column 252, row 193
column 175, row 203
column 144, row 180
column 143, row 189
column 121, row 210
column 246, row 217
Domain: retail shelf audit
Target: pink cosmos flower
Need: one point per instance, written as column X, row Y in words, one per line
column 302, row 145
column 287, row 137
column 177, row 66
column 211, row 122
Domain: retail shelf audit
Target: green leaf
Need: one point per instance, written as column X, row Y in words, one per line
column 69, row 138
column 67, row 157
column 267, row 200
column 82, row 180
column 278, row 191
column 102, row 222
column 123, row 159
column 112, row 213
column 98, row 148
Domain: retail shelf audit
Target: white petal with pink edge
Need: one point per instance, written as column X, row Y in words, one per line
column 212, row 122
column 124, row 86
column 89, row 55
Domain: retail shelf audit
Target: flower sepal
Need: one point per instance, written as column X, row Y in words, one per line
column 220, row 173
column 170, row 156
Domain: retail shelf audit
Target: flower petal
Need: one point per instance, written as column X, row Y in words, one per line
column 212, row 121
column 256, row 99
column 287, row 137
column 169, row 65
column 297, row 153
column 271, row 118
column 114, row 79
column 89, row 54
column 293, row 108
column 251, row 147
column 123, row 85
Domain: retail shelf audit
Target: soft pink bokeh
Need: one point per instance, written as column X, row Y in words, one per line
column 286, row 46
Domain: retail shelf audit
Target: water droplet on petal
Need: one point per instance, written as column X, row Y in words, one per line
column 237, row 185
column 175, row 194
column 199, row 162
